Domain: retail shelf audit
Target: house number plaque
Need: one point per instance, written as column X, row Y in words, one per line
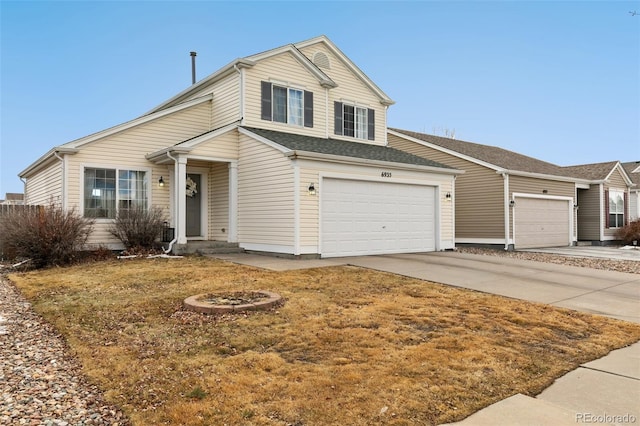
column 385, row 174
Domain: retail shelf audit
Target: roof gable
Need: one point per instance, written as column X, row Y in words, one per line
column 294, row 49
column 633, row 171
column 599, row 171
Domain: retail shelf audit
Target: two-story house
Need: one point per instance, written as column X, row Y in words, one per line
column 284, row 151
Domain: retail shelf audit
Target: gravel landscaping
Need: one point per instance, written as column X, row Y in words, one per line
column 41, row 384
column 628, row 266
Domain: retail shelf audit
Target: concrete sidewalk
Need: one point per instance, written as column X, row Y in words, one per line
column 605, row 391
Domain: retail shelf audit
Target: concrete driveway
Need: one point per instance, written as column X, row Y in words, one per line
column 614, row 294
column 605, row 390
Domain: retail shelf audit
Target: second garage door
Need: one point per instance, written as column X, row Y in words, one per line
column 542, row 222
column 363, row 217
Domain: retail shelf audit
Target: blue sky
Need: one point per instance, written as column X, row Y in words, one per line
column 559, row 81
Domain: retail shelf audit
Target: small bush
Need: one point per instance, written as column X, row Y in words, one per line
column 49, row 236
column 629, row 233
column 138, row 228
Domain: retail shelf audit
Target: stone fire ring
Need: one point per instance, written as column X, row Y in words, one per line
column 194, row 303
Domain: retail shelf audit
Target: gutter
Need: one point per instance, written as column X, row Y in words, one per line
column 294, row 155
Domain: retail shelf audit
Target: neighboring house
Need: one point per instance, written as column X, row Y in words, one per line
column 633, row 171
column 12, row 198
column 604, row 204
column 508, row 199
column 284, row 151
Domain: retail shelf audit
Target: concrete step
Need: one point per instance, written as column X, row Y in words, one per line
column 207, row 247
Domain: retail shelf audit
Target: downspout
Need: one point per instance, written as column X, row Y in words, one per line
column 505, row 177
column 64, row 181
column 24, row 190
column 175, row 207
column 241, row 89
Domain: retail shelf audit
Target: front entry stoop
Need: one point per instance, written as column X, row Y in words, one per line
column 207, row 247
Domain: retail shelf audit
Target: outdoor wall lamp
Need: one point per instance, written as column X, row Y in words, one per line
column 312, row 189
column 161, row 182
column 512, row 203
column 448, row 196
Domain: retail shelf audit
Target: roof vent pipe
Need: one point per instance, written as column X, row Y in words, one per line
column 193, row 67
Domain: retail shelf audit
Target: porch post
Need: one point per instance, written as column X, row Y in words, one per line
column 181, row 203
column 233, row 202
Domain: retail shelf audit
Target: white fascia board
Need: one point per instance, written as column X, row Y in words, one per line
column 136, row 122
column 221, row 73
column 43, row 160
column 546, row 177
column 323, row 79
column 308, row 155
column 448, row 151
column 384, row 99
column 264, row 140
column 161, row 155
column 192, row 143
column 625, row 176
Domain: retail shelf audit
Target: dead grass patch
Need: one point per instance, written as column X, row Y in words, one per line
column 349, row 346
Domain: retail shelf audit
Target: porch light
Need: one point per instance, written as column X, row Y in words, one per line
column 448, row 196
column 512, row 203
column 312, row 189
column 161, row 182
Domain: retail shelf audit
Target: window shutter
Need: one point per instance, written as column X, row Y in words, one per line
column 337, row 113
column 308, row 109
column 371, row 124
column 606, row 208
column 266, row 100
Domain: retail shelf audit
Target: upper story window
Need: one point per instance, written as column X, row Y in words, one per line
column 107, row 190
column 287, row 105
column 354, row 121
column 616, row 209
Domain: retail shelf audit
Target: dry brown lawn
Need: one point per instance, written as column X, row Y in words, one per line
column 349, row 346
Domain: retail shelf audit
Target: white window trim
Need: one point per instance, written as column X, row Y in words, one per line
column 288, row 88
column 624, row 213
column 84, row 166
column 356, row 106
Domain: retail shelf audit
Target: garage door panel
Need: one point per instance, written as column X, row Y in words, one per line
column 360, row 217
column 542, row 223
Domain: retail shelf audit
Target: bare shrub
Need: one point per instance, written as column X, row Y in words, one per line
column 138, row 228
column 629, row 233
column 49, row 236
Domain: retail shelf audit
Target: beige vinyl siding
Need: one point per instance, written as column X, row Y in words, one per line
column 127, row 150
column 312, row 172
column 223, row 146
column 219, row 202
column 536, row 186
column 265, row 195
column 479, row 192
column 589, row 220
column 350, row 90
column 45, row 187
column 283, row 70
column 226, row 101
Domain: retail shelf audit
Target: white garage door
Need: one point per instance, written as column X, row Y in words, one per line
column 541, row 223
column 361, row 218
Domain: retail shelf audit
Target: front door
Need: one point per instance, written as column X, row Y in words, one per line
column 194, row 205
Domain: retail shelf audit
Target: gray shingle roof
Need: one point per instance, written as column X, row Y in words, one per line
column 629, row 168
column 596, row 171
column 499, row 157
column 343, row 148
